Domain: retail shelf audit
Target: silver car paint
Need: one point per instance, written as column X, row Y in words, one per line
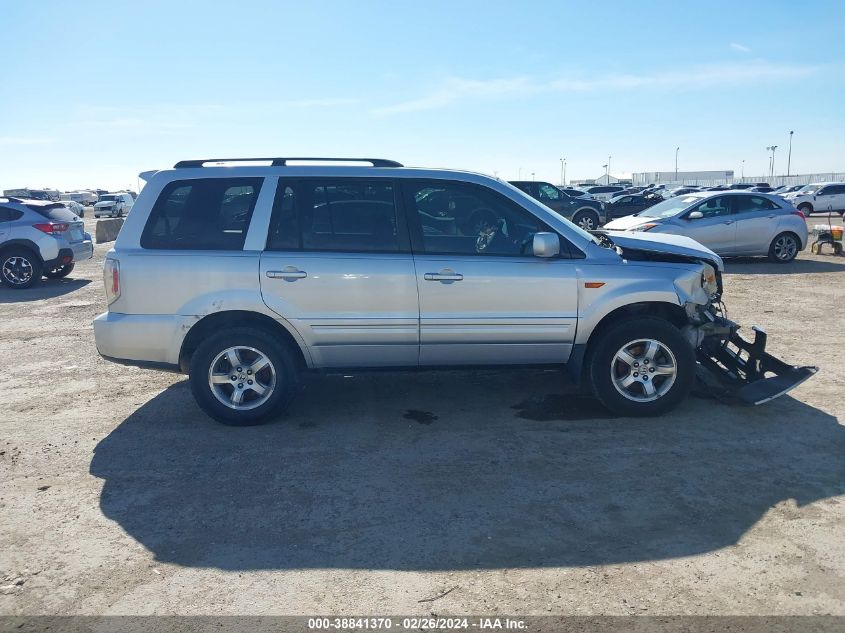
column 379, row 309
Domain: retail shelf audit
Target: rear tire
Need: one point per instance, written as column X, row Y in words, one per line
column 227, row 388
column 806, row 209
column 664, row 371
column 60, row 272
column 20, row 269
column 784, row 248
column 587, row 220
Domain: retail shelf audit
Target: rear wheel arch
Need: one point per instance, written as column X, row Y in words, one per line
column 237, row 318
column 21, row 244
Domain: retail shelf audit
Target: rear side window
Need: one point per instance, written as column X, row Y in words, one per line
column 202, row 214
column 57, row 212
column 9, row 215
column 344, row 216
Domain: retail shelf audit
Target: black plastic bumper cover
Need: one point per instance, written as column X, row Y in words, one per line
column 747, row 370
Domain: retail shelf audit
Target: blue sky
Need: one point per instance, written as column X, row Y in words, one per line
column 94, row 92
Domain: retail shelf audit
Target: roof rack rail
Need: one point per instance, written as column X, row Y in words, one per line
column 282, row 162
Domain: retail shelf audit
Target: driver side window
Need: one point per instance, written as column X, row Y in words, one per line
column 463, row 219
column 714, row 207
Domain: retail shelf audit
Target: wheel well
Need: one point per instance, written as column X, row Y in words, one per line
column 657, row 309
column 792, row 233
column 27, row 246
column 590, row 209
column 221, row 320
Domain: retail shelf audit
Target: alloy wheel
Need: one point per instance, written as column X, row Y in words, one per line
column 785, row 248
column 242, row 378
column 643, row 370
column 17, row 270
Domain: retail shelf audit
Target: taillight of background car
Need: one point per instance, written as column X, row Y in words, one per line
column 51, row 228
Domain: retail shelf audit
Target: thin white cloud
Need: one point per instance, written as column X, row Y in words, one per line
column 25, row 140
column 455, row 90
column 740, row 48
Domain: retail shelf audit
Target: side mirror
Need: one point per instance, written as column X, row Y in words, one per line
column 695, row 215
column 546, row 244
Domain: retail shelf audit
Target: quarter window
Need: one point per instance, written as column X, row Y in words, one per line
column 202, row 214
column 461, row 219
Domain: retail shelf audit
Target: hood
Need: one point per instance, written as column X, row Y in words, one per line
column 678, row 246
column 627, row 222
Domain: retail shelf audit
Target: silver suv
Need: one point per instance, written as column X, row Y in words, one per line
column 39, row 238
column 244, row 276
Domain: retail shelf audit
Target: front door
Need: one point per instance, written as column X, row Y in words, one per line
column 716, row 229
column 484, row 298
column 338, row 267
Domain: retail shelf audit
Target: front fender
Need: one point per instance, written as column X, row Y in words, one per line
column 633, row 284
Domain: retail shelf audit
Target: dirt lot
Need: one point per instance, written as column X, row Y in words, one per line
column 379, row 492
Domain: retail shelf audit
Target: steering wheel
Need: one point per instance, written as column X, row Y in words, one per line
column 485, row 237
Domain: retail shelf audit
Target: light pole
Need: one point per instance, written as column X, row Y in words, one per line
column 606, row 173
column 608, row 170
column 772, row 163
column 520, row 174
column 562, row 172
column 676, row 163
column 532, row 175
column 742, row 172
column 789, row 159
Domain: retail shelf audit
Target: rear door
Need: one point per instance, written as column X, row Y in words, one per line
column 756, row 220
column 484, row 298
column 5, row 223
column 716, row 229
column 338, row 267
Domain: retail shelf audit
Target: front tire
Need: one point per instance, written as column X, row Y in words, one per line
column 20, row 269
column 60, row 272
column 784, row 248
column 243, row 376
column 641, row 367
column 806, row 209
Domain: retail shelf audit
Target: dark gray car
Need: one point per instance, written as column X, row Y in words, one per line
column 585, row 212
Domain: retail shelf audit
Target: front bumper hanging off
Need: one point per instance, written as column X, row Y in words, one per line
column 744, row 369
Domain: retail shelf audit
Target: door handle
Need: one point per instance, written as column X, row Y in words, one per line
column 443, row 276
column 286, row 274
column 729, row 222
column 771, row 217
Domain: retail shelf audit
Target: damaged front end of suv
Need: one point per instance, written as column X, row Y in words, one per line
column 734, row 365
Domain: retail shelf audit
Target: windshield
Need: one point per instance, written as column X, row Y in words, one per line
column 669, row 208
column 810, row 188
column 108, row 198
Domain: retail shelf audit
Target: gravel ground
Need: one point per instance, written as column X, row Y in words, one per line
column 379, row 492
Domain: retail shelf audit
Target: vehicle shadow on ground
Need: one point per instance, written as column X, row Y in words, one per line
column 457, row 470
column 762, row 266
column 47, row 289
